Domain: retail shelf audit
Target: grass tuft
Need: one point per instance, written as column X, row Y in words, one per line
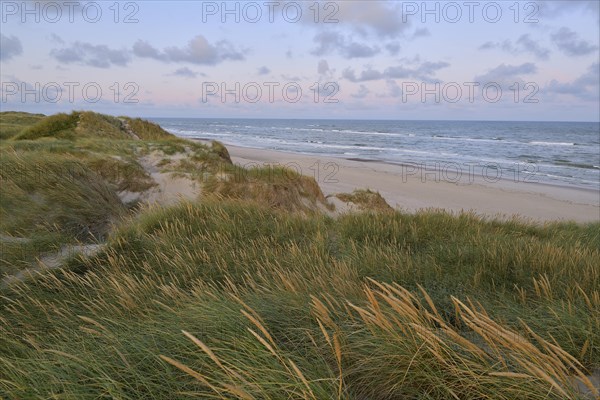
column 365, row 199
column 252, row 293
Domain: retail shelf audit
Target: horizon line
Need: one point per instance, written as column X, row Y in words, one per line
column 303, row 118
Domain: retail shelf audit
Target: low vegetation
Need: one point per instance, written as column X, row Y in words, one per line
column 12, row 123
column 275, row 186
column 254, row 291
column 48, row 200
column 365, row 200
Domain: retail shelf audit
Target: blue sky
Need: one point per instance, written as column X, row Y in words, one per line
column 479, row 60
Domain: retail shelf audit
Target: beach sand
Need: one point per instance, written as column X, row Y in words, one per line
column 409, row 188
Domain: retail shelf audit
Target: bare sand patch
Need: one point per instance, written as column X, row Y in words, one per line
column 170, row 187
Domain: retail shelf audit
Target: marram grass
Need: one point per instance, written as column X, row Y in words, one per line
column 253, row 293
column 230, row 299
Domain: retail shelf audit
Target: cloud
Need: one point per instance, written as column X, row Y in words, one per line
column 362, row 92
column 429, row 68
column 423, row 71
column 554, row 8
column 56, row 39
column 363, row 19
column 421, row 32
column 570, row 44
column 382, row 18
column 399, row 72
column 9, row 47
column 264, row 70
column 393, row 48
column 329, row 42
column 524, row 44
column 99, row 56
column 586, row 87
column 531, row 46
column 197, row 51
column 366, row 75
column 358, row 50
column 506, row 74
column 185, row 72
column 144, row 49
column 323, row 67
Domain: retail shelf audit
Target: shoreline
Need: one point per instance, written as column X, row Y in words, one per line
column 397, row 163
column 415, row 189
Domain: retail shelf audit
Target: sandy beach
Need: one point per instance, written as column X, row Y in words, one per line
column 410, row 188
column 289, row 291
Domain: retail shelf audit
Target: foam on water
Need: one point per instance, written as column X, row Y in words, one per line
column 563, row 153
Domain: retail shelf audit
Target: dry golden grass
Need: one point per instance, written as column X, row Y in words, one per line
column 365, row 200
column 251, row 293
column 282, row 305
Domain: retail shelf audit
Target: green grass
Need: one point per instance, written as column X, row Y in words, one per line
column 221, row 151
column 122, row 175
column 61, row 176
column 11, row 123
column 81, row 124
column 98, row 125
column 339, row 299
column 253, row 292
column 60, row 126
column 147, row 130
column 365, row 200
column 276, row 186
column 48, row 199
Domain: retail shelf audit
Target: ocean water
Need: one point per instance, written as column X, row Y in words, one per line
column 559, row 153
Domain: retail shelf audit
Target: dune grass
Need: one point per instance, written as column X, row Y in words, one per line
column 61, row 176
column 279, row 305
column 61, row 126
column 11, row 122
column 109, row 151
column 80, row 124
column 254, row 292
column 146, row 130
column 365, row 200
column 47, row 200
column 51, row 190
column 276, row 186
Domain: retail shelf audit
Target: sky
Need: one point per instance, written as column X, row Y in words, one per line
column 402, row 60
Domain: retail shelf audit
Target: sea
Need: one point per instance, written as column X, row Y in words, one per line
column 556, row 153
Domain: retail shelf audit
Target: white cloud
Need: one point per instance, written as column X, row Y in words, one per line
column 263, row 70
column 9, row 47
column 100, row 56
column 423, row 71
column 570, row 43
column 524, row 44
column 185, row 72
column 197, row 51
column 330, row 42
